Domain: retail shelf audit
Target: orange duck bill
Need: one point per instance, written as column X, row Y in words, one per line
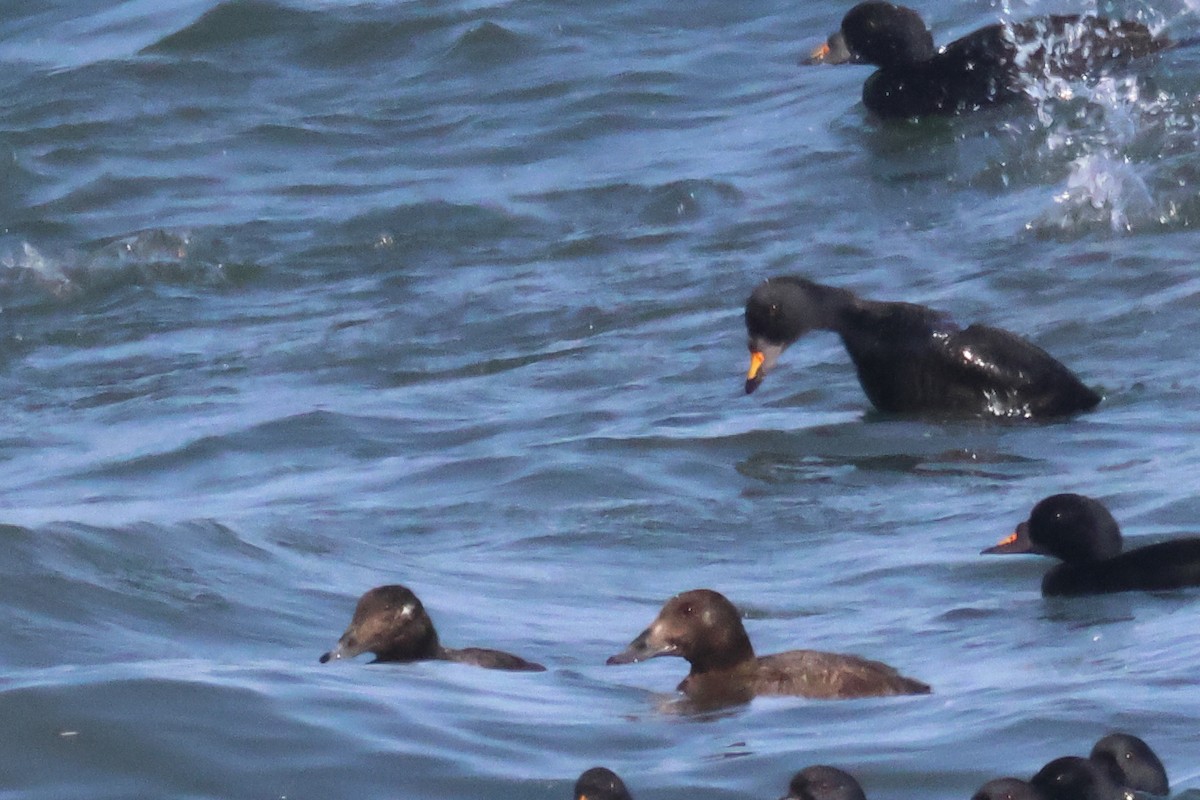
column 833, row 51
column 1016, row 542
column 762, row 359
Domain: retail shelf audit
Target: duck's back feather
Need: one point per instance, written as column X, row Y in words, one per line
column 1157, row 567
column 910, row 358
column 820, row 675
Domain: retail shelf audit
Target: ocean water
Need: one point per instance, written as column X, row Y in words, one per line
column 300, row 297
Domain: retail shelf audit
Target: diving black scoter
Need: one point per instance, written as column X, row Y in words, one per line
column 600, row 783
column 704, row 628
column 911, row 359
column 820, row 782
column 992, row 65
column 1082, row 533
column 390, row 622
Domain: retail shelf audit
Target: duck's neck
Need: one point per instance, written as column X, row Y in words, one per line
column 426, row 648
column 732, row 652
column 722, row 685
column 826, row 305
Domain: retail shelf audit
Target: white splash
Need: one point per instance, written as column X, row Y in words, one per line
column 1101, row 190
column 30, row 266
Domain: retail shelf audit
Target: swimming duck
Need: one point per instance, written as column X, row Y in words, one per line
column 989, row 66
column 1132, row 763
column 823, row 783
column 1128, row 764
column 911, row 359
column 390, row 622
column 599, row 783
column 704, row 628
column 1083, row 534
column 1007, row 789
column 1075, row 778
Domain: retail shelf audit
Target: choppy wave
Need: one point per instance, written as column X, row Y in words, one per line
column 351, row 38
column 156, row 257
column 299, row 297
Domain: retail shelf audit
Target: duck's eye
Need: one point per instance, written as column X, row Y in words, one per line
column 773, row 310
column 687, row 610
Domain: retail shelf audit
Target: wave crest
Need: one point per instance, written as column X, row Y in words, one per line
column 145, row 258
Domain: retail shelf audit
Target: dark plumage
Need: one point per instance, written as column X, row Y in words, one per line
column 1119, row 764
column 991, row 65
column 390, row 622
column 1075, row 778
column 599, row 783
column 1131, row 762
column 824, row 783
column 1083, row 534
column 1007, row 789
column 704, row 628
column 911, row 359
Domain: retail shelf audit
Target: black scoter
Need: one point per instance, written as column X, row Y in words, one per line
column 1007, row 789
column 1132, row 763
column 912, row 359
column 600, row 783
column 390, row 622
column 989, row 66
column 1120, row 763
column 1083, row 534
column 1075, row 778
column 820, row 782
column 704, row 628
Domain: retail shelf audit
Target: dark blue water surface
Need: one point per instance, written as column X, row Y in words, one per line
column 299, row 297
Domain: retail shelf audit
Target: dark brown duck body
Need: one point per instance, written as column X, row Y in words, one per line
column 993, row 65
column 704, row 628
column 390, row 622
column 911, row 359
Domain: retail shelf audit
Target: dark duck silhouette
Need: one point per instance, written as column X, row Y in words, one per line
column 390, row 622
column 704, row 628
column 911, row 359
column 992, row 65
column 1075, row 778
column 823, row 783
column 600, row 783
column 1132, row 763
column 1007, row 789
column 1082, row 533
column 1066, row 778
column 1120, row 763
